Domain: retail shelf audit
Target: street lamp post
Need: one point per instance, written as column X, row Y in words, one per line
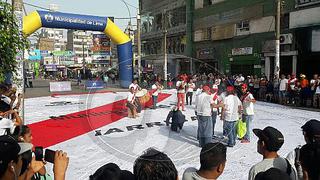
column 277, row 55
column 165, row 68
column 83, row 60
column 139, row 43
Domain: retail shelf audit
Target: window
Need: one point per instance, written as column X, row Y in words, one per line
column 243, row 28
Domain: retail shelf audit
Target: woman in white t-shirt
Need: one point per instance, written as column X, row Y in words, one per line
column 248, row 111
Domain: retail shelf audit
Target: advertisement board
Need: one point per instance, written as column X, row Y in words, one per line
column 34, row 55
column 242, row 51
column 95, row 85
column 60, row 86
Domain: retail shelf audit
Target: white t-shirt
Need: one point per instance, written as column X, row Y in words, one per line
column 156, row 93
column 248, row 106
column 264, row 165
column 198, row 92
column 131, row 97
column 283, row 84
column 215, row 98
column 204, row 104
column 231, row 111
column 318, row 90
column 191, row 174
column 135, row 86
column 5, row 124
column 181, row 90
column 191, row 87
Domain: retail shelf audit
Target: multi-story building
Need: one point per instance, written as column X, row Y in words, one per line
column 304, row 24
column 238, row 36
column 80, row 42
column 160, row 18
column 57, row 36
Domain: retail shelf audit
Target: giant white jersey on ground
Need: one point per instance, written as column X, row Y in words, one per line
column 89, row 152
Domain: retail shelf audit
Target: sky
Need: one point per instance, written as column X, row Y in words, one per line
column 108, row 8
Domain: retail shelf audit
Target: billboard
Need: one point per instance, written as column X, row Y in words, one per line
column 101, row 49
column 101, row 43
column 34, row 55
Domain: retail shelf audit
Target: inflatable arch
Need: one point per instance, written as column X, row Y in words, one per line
column 38, row 19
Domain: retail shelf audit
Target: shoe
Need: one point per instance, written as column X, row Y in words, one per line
column 244, row 141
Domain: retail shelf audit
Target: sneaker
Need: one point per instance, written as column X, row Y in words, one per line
column 245, row 141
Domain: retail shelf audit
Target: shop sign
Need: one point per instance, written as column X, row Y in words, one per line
column 242, row 51
column 301, row 3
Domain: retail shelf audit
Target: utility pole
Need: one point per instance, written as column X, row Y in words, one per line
column 83, row 59
column 139, row 44
column 277, row 57
column 165, row 68
column 20, row 74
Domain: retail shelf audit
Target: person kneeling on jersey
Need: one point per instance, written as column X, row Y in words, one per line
column 178, row 119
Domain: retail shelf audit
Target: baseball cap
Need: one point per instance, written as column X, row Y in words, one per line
column 272, row 137
column 9, row 150
column 205, row 88
column 244, row 86
column 230, row 88
column 271, row 174
column 312, row 127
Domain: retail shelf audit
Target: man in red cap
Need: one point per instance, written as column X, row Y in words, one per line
column 204, row 107
column 230, row 114
column 248, row 111
column 181, row 86
column 215, row 106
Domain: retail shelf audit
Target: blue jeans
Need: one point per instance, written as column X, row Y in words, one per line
column 230, row 130
column 155, row 101
column 205, row 130
column 214, row 119
column 248, row 119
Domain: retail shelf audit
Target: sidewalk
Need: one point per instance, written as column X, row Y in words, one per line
column 41, row 88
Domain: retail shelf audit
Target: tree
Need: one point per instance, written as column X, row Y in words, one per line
column 10, row 40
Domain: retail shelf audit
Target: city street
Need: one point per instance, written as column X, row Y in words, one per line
column 88, row 151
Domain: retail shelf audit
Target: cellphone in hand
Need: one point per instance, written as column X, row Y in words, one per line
column 38, row 152
column 49, row 155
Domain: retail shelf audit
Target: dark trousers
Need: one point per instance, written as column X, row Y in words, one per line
column 155, row 101
column 189, row 94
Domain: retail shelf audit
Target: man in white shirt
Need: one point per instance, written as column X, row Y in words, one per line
column 212, row 162
column 248, row 111
column 215, row 106
column 204, row 116
column 190, row 89
column 230, row 115
column 156, row 88
column 269, row 143
column 283, row 89
column 132, row 111
column 181, row 86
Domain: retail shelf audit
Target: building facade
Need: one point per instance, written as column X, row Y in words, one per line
column 238, row 36
column 81, row 43
column 164, row 20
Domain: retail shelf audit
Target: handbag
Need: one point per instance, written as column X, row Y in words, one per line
column 241, row 128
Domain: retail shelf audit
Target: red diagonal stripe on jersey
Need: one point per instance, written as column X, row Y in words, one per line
column 59, row 129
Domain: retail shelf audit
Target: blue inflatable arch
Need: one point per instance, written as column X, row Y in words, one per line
column 38, row 19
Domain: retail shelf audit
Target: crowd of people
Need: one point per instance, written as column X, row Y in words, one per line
column 231, row 98
column 17, row 157
column 303, row 163
column 286, row 89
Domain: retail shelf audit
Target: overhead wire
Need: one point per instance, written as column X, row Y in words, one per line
column 43, row 8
